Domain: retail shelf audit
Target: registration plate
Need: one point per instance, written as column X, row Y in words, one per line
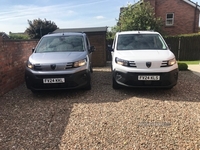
column 54, row 80
column 149, row 78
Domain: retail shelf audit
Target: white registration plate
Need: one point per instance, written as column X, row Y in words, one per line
column 149, row 78
column 54, row 80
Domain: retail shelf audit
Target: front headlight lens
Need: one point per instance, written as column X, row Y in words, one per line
column 172, row 62
column 80, row 63
column 30, row 65
column 121, row 61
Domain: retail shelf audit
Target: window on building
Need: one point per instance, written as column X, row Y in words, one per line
column 170, row 19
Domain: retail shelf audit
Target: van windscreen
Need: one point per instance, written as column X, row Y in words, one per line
column 140, row 42
column 61, row 44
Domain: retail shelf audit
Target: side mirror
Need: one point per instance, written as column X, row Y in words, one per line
column 92, row 49
column 169, row 45
column 33, row 49
column 109, row 48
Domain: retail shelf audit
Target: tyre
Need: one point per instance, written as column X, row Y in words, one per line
column 35, row 91
column 91, row 69
column 88, row 86
column 115, row 85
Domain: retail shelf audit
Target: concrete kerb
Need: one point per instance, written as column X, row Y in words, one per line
column 195, row 69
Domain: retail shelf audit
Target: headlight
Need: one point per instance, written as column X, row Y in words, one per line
column 30, row 65
column 172, row 62
column 121, row 61
column 80, row 63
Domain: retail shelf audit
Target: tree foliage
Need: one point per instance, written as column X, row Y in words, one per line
column 110, row 34
column 139, row 17
column 37, row 28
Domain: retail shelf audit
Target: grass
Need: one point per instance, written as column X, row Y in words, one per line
column 196, row 62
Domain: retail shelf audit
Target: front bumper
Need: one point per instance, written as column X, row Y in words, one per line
column 130, row 79
column 72, row 81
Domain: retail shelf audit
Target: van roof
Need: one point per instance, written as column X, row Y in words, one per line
column 65, row 34
column 137, row 32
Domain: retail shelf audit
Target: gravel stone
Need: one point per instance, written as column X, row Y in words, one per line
column 103, row 118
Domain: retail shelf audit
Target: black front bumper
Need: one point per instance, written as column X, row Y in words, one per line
column 130, row 79
column 72, row 81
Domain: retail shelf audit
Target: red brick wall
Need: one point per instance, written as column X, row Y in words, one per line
column 184, row 16
column 98, row 40
column 13, row 55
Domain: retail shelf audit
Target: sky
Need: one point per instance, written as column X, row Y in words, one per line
column 14, row 14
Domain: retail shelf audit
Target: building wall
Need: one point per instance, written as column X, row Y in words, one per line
column 13, row 55
column 184, row 16
column 98, row 40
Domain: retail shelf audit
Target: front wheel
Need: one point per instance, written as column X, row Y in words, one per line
column 91, row 69
column 88, row 86
column 35, row 91
column 115, row 85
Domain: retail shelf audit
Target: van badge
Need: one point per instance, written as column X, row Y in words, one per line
column 148, row 64
column 53, row 66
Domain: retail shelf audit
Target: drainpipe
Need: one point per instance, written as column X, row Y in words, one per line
column 195, row 20
column 179, row 48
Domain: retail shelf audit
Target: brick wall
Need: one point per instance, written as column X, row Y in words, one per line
column 184, row 16
column 13, row 55
column 98, row 40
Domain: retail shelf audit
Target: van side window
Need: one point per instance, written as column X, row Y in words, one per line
column 114, row 41
column 87, row 43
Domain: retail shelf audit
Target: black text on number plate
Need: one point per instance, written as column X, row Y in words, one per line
column 54, row 80
column 149, row 78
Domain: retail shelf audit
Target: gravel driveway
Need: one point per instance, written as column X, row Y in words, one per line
column 103, row 118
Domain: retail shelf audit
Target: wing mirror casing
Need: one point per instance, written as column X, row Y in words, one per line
column 33, row 49
column 92, row 49
column 109, row 48
column 169, row 45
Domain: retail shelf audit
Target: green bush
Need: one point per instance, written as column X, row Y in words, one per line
column 19, row 36
column 182, row 66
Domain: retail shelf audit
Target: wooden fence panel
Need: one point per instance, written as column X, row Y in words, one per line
column 173, row 43
column 189, row 47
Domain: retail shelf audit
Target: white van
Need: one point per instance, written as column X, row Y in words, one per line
column 142, row 59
